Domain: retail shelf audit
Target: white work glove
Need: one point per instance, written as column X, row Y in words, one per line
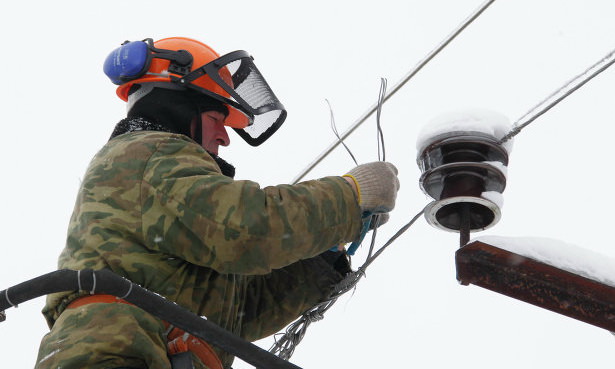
column 377, row 186
column 378, row 220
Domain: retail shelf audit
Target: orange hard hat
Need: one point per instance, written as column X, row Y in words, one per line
column 202, row 54
column 184, row 64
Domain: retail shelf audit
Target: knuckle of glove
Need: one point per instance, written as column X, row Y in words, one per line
column 378, row 220
column 378, row 185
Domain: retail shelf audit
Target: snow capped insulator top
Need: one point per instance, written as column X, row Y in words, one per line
column 468, row 121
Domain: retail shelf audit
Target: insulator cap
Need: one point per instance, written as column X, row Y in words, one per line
column 447, row 214
column 458, row 168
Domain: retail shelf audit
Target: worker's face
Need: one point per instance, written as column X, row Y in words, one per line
column 213, row 131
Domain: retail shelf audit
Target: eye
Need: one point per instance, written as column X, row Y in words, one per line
column 216, row 117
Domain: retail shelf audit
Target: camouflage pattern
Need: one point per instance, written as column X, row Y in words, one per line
column 153, row 207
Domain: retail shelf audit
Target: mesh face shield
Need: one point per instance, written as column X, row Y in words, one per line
column 249, row 94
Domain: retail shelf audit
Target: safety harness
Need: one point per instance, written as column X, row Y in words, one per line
column 179, row 343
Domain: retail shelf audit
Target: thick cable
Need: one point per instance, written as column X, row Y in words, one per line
column 397, row 87
column 106, row 282
column 566, row 90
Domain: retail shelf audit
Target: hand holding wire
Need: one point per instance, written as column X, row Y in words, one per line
column 377, row 185
column 378, row 220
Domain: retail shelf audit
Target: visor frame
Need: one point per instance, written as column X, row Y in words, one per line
column 241, row 105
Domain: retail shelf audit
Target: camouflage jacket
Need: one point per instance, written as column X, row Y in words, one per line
column 153, row 207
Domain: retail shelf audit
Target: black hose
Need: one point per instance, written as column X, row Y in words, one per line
column 106, row 282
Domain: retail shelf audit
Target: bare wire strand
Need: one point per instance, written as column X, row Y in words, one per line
column 286, row 343
column 381, row 95
column 336, row 133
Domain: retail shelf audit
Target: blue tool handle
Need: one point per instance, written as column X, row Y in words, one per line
column 367, row 220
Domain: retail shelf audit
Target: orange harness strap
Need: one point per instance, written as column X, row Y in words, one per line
column 177, row 340
column 180, row 341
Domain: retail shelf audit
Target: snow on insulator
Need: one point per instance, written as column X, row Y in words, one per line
column 464, row 168
column 484, row 121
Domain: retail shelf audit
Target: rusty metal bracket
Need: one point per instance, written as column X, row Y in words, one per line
column 537, row 283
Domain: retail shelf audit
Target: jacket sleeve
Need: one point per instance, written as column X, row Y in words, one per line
column 190, row 210
column 276, row 299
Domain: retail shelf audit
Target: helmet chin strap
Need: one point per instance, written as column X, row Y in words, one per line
column 198, row 130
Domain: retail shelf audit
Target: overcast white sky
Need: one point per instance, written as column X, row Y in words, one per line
column 58, row 109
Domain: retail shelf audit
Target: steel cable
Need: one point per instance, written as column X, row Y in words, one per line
column 397, row 87
column 560, row 94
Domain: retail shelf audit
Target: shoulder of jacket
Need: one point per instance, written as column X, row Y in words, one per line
column 154, row 147
column 150, row 136
column 151, row 142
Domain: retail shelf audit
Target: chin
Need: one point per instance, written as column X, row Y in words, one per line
column 211, row 150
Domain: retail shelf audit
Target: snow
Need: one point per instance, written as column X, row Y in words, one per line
column 559, row 254
column 477, row 120
column 499, row 166
column 495, row 197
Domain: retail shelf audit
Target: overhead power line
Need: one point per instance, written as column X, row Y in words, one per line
column 396, row 88
column 560, row 94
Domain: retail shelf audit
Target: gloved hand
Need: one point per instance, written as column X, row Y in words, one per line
column 377, row 186
column 378, row 220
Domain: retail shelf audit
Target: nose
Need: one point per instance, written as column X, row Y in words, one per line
column 222, row 135
column 215, row 122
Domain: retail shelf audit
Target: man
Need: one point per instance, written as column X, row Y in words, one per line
column 160, row 207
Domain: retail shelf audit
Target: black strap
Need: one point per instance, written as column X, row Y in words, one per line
column 182, row 360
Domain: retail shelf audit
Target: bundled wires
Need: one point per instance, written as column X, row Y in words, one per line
column 285, row 343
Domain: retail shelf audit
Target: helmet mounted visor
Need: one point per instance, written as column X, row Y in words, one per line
column 248, row 92
column 255, row 105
